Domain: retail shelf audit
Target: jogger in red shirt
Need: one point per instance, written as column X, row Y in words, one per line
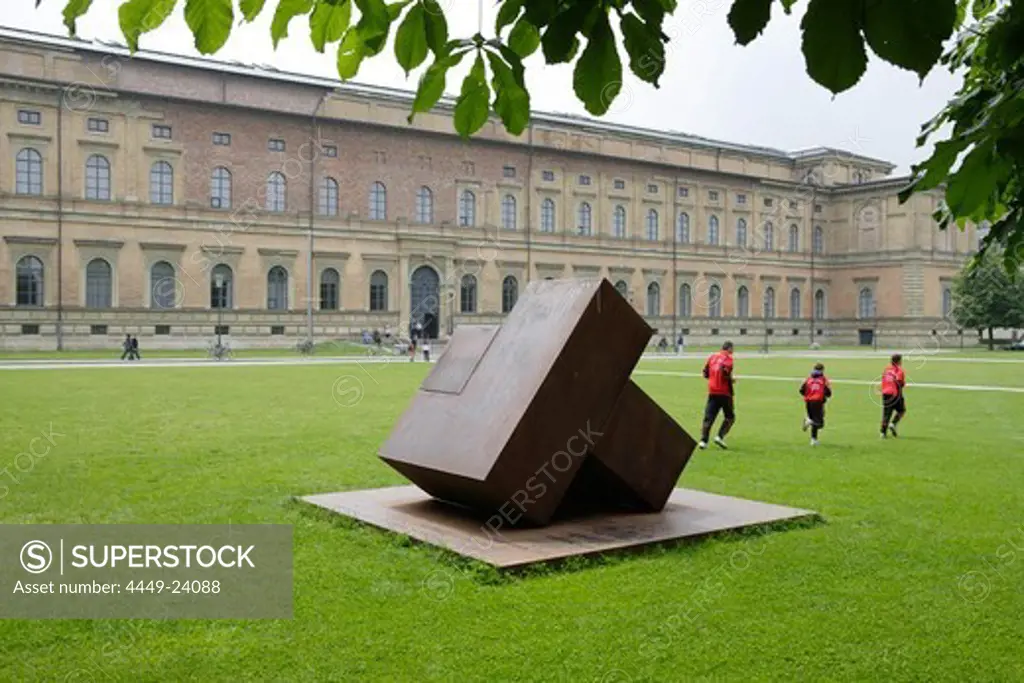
column 893, row 382
column 816, row 390
column 718, row 371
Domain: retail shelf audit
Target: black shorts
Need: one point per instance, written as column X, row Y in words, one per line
column 816, row 413
column 716, row 403
column 892, row 403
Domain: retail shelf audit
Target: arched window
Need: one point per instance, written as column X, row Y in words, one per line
column 741, row 233
column 28, row 172
column 769, row 302
column 713, row 230
column 652, row 225
column 742, row 303
column 221, row 287
column 819, row 240
column 379, row 291
column 714, row 301
column 685, row 301
column 653, row 299
column 424, row 205
column 547, row 215
column 509, row 293
column 769, row 237
column 509, row 212
column 947, row 302
column 220, row 188
column 161, row 183
column 467, row 209
column 619, row 222
column 328, row 197
column 866, row 303
column 276, row 186
column 794, row 238
column 467, row 300
column 330, row 290
column 98, row 284
column 163, row 286
column 683, row 228
column 378, row 202
column 586, row 216
column 819, row 305
column 622, row 288
column 29, row 285
column 97, row 178
column 794, row 304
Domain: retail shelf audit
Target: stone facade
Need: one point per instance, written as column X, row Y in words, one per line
column 110, row 176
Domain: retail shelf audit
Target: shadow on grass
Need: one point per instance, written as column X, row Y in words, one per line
column 487, row 575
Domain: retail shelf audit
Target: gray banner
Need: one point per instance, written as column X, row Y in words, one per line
column 135, row 571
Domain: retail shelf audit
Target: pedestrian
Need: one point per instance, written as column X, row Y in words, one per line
column 126, row 346
column 721, row 396
column 426, row 351
column 894, row 380
column 412, row 350
column 135, row 349
column 816, row 390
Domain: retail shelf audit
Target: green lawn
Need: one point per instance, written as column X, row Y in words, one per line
column 874, row 593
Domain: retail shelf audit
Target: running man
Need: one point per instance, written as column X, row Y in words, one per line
column 893, row 382
column 816, row 390
column 718, row 371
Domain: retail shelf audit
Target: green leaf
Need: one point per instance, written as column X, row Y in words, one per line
column 512, row 101
column 210, row 21
column 748, row 19
column 73, row 10
column 909, row 33
column 395, row 9
column 832, row 45
column 787, row 5
column 251, row 8
column 651, row 11
column 507, row 14
column 350, row 54
column 374, row 25
column 597, row 78
column 141, row 16
column 471, row 107
column 437, row 26
column 286, row 11
column 974, row 183
column 432, row 83
column 982, row 8
column 524, row 38
column 329, row 21
column 559, row 39
column 411, row 40
column 645, row 49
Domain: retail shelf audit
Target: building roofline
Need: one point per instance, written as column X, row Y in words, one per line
column 406, row 97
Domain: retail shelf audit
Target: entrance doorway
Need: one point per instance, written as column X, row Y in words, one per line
column 867, row 337
column 425, row 287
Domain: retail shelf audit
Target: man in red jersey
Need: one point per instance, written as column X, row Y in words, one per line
column 893, row 382
column 718, row 371
column 816, row 390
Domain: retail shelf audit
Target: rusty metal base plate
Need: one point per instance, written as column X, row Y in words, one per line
column 408, row 510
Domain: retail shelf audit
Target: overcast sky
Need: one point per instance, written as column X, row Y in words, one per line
column 759, row 94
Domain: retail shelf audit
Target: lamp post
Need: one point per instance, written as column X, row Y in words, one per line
column 814, row 249
column 218, row 279
column 874, row 315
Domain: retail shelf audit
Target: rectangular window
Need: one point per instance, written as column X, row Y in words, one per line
column 381, row 156
column 714, row 331
column 330, row 151
column 29, row 117
column 161, row 132
column 713, row 195
column 792, row 204
column 584, row 180
column 277, row 330
column 768, row 201
column 620, row 184
column 796, row 332
column 817, row 208
column 96, row 125
column 508, row 171
column 741, row 199
column 275, row 145
column 222, row 329
column 769, row 331
column 30, row 329
column 162, row 330
column 97, row 329
column 549, row 176
column 684, row 192
column 652, row 188
column 743, row 331
column 222, row 139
